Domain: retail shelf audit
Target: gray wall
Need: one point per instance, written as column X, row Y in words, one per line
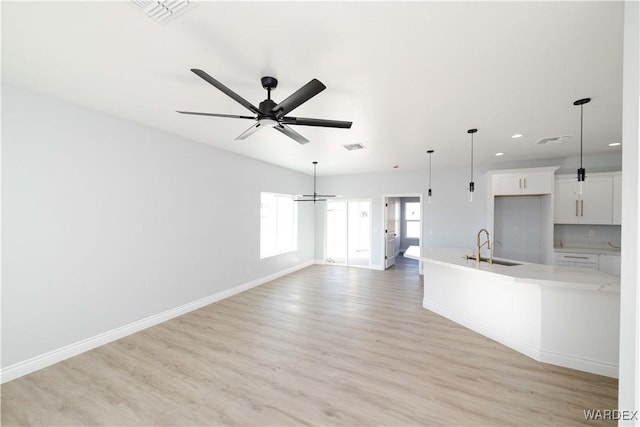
column 451, row 220
column 106, row 222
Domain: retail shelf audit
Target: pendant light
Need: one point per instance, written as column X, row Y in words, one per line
column 430, row 152
column 471, row 184
column 581, row 172
column 315, row 197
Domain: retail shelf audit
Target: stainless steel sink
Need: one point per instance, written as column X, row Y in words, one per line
column 495, row 261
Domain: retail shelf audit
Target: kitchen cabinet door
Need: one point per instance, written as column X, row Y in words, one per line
column 596, row 204
column 566, row 209
column 617, row 199
column 514, row 184
column 610, row 264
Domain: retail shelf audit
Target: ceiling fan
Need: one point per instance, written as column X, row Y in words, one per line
column 270, row 114
column 315, row 197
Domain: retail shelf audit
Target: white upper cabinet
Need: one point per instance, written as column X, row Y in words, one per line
column 617, row 199
column 595, row 206
column 523, row 182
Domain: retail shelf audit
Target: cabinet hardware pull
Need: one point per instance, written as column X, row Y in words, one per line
column 576, row 208
column 520, row 183
column 525, row 183
column 581, row 207
column 577, row 257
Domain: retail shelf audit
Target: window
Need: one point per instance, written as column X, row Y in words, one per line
column 278, row 224
column 412, row 220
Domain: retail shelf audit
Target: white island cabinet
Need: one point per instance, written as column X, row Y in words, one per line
column 564, row 316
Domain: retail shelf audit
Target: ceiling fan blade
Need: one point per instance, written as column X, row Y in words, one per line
column 226, row 90
column 303, row 121
column 231, row 116
column 299, row 97
column 291, row 133
column 249, row 131
column 310, row 200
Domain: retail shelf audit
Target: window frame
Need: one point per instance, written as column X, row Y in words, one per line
column 280, row 243
column 407, row 221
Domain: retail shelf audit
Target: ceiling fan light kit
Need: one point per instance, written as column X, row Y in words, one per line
column 272, row 114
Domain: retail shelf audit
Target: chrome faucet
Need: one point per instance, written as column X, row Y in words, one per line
column 479, row 246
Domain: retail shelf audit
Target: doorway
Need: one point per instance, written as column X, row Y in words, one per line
column 349, row 233
column 402, row 225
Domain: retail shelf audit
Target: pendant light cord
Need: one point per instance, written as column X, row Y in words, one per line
column 472, row 157
column 314, row 182
column 429, row 170
column 581, row 111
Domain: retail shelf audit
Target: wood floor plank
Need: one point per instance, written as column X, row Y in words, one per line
column 326, row 345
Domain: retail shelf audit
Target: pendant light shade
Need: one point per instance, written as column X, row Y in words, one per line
column 581, row 172
column 471, row 184
column 429, row 193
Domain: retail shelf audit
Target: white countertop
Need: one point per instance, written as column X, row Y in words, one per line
column 526, row 272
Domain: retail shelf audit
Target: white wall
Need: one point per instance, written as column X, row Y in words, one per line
column 106, row 222
column 629, row 385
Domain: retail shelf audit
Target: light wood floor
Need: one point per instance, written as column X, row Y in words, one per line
column 326, row 345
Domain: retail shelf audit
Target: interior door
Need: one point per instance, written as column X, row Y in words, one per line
column 390, row 232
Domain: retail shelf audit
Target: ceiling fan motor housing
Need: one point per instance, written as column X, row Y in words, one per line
column 266, row 109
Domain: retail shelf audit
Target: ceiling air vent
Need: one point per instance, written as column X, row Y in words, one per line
column 352, row 147
column 161, row 10
column 553, row 139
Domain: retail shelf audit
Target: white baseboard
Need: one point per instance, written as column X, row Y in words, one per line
column 47, row 359
column 319, row 262
column 379, row 267
column 573, row 362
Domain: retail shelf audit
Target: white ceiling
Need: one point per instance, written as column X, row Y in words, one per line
column 411, row 76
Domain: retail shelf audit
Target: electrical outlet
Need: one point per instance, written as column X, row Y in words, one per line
column 591, row 232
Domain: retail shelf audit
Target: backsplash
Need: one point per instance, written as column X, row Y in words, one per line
column 586, row 236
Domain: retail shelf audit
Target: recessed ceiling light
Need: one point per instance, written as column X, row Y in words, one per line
column 615, row 144
column 517, row 135
column 499, row 154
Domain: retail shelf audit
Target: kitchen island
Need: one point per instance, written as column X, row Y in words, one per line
column 558, row 315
